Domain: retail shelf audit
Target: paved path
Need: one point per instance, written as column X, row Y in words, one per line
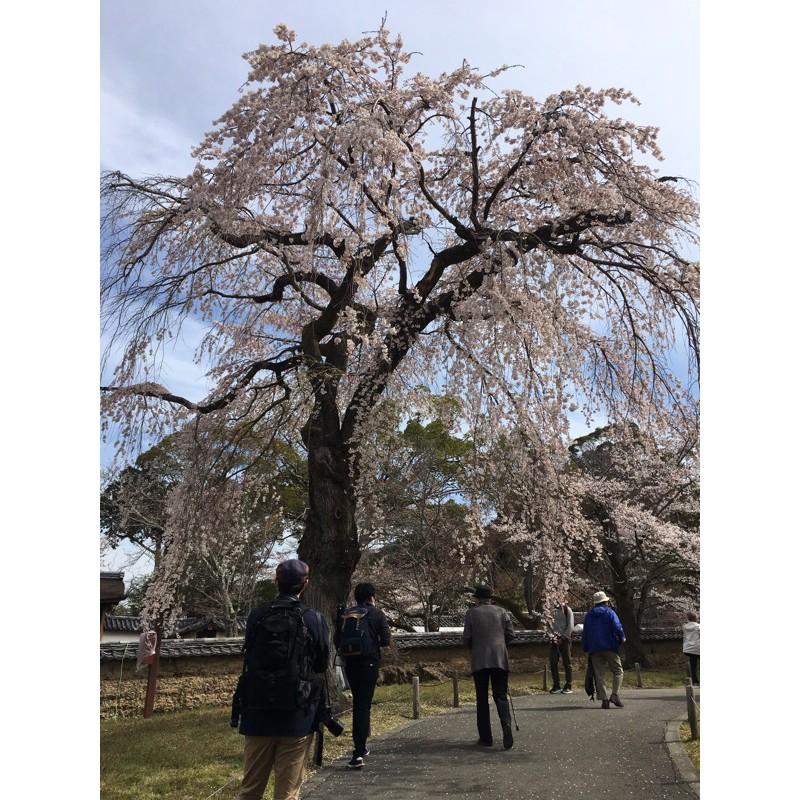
column 567, row 748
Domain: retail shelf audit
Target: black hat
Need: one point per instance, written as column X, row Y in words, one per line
column 482, row 592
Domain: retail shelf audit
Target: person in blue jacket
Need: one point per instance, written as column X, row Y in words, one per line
column 602, row 636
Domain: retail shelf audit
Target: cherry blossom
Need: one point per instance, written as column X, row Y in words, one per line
column 352, row 230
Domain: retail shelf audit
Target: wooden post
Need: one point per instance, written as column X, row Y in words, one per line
column 638, row 675
column 152, row 680
column 415, row 697
column 691, row 708
column 544, row 679
column 455, row 690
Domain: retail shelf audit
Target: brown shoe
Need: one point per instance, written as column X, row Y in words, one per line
column 606, row 704
column 616, row 701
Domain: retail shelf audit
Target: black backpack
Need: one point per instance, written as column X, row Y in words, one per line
column 355, row 635
column 277, row 662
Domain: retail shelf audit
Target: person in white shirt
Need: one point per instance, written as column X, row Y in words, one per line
column 561, row 630
column 691, row 646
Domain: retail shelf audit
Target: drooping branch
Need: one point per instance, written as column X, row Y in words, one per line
column 155, row 390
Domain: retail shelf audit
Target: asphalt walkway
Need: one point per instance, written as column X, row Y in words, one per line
column 567, row 748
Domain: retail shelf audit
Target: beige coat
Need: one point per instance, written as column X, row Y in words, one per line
column 487, row 631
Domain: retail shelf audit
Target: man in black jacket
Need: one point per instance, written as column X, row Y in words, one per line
column 362, row 670
column 280, row 739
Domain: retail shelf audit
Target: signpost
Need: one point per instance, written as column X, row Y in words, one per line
column 152, row 678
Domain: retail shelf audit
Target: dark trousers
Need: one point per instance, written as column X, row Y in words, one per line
column 563, row 649
column 362, row 677
column 694, row 667
column 499, row 681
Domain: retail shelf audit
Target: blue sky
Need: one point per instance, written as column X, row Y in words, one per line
column 169, row 69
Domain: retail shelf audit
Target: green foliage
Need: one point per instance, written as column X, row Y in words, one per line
column 422, row 473
column 132, row 506
column 266, row 591
column 270, row 482
column 134, row 597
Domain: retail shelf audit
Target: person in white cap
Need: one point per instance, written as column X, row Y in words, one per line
column 601, row 638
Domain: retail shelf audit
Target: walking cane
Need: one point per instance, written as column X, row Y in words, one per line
column 513, row 711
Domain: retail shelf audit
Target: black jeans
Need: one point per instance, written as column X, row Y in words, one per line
column 694, row 667
column 362, row 677
column 563, row 648
column 499, row 680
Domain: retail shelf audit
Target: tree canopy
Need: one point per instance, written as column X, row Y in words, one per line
column 351, row 229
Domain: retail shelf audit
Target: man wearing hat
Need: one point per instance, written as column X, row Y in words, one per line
column 602, row 636
column 487, row 631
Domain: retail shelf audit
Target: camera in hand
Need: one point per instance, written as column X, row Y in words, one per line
column 332, row 725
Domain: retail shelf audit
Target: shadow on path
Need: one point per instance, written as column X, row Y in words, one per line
column 586, row 753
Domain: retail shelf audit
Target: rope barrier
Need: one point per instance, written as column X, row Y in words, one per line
column 442, row 683
column 119, row 685
column 221, row 788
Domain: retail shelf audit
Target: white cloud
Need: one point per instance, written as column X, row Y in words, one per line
column 139, row 142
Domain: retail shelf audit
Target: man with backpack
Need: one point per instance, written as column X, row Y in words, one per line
column 280, row 690
column 361, row 631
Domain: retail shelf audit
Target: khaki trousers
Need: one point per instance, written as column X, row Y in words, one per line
column 601, row 660
column 286, row 754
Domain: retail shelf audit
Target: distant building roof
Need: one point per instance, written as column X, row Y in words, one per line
column 112, row 587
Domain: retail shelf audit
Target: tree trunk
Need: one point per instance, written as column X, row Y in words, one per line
column 528, row 622
column 329, row 544
column 529, row 598
column 625, row 606
column 634, row 648
column 230, row 615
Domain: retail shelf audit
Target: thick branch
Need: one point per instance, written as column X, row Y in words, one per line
column 149, row 389
column 275, row 295
column 473, row 212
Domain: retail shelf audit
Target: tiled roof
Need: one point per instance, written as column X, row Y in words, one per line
column 125, row 624
column 185, row 648
column 175, row 648
column 411, row 640
column 121, row 624
column 112, row 587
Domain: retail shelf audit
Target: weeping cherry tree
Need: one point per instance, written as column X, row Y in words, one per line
column 352, row 229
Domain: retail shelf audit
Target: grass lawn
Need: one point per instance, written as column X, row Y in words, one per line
column 692, row 746
column 188, row 755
